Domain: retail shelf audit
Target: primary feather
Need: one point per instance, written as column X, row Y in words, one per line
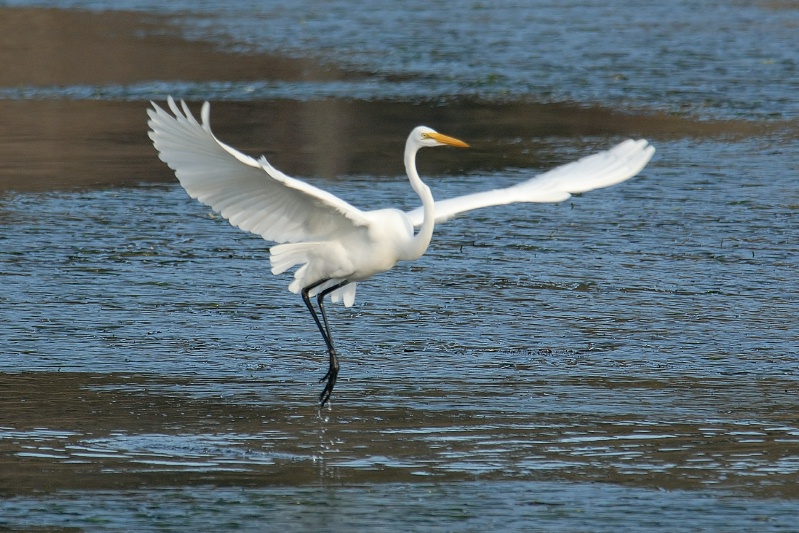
column 250, row 193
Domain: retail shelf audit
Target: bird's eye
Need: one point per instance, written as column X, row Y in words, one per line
column 425, row 135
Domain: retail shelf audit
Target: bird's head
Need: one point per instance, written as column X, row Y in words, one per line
column 422, row 136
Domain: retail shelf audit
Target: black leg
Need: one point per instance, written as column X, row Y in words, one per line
column 324, row 329
column 332, row 371
column 320, row 300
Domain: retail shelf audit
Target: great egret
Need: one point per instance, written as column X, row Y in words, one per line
column 335, row 244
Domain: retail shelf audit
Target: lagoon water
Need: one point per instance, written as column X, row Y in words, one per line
column 623, row 361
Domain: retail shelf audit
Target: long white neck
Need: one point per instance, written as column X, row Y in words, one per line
column 421, row 240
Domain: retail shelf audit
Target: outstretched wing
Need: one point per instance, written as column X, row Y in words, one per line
column 603, row 169
column 250, row 193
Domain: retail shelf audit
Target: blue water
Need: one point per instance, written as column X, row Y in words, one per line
column 623, row 361
column 717, row 59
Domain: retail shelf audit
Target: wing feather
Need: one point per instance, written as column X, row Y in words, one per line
column 250, row 193
column 596, row 171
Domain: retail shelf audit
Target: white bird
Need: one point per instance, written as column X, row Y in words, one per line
column 335, row 244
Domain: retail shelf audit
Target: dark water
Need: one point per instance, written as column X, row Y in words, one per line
column 623, row 361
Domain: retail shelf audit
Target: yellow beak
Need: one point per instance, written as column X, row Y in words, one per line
column 446, row 139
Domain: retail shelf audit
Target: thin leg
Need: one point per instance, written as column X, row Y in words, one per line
column 324, row 329
column 332, row 371
column 320, row 300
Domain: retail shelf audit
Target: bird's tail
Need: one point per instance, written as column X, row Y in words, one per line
column 285, row 256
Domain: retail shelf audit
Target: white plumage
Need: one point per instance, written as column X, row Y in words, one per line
column 595, row 171
column 333, row 243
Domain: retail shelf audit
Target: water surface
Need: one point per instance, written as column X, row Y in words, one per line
column 625, row 360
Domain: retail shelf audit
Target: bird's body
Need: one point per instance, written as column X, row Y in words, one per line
column 355, row 256
column 333, row 244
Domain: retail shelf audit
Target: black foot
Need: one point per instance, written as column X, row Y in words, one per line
column 331, row 376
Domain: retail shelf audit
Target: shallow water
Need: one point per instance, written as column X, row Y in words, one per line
column 623, row 361
column 634, row 337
